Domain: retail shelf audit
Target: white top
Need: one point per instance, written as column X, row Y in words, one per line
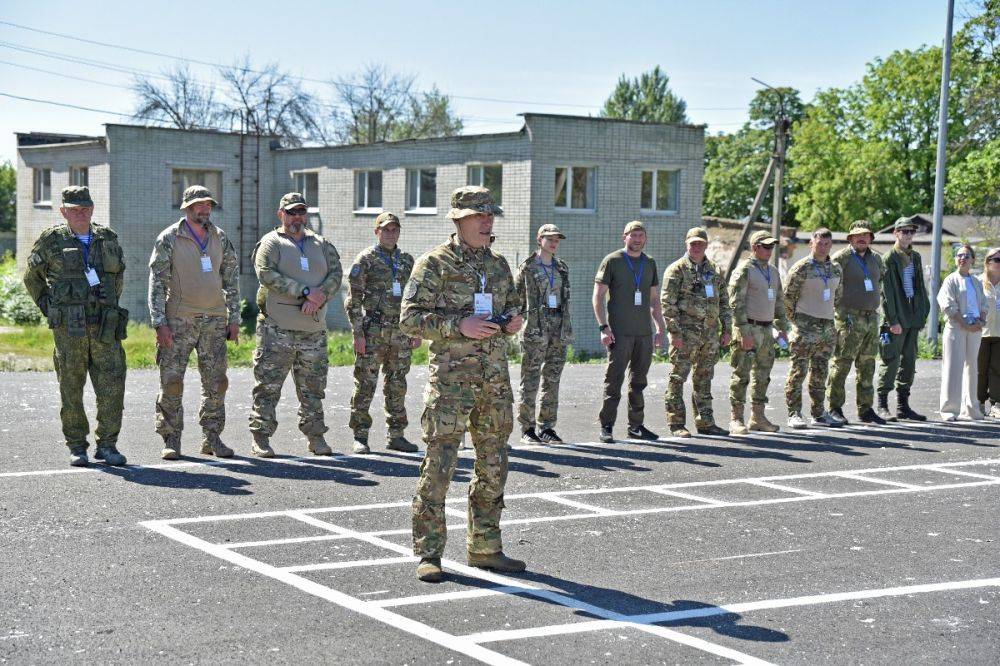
column 992, row 309
column 954, row 298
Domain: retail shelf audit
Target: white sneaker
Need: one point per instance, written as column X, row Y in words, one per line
column 995, row 411
column 826, row 420
column 950, row 418
column 796, row 422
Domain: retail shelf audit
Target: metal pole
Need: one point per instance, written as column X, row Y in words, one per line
column 748, row 220
column 779, row 173
column 939, row 179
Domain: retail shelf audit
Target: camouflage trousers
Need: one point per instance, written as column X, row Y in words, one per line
column 206, row 335
column 74, row 358
column 696, row 357
column 857, row 345
column 542, row 358
column 389, row 351
column 484, row 408
column 752, row 367
column 280, row 351
column 810, row 348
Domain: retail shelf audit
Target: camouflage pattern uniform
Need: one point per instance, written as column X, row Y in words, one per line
column 694, row 316
column 373, row 311
column 468, row 385
column 547, row 332
column 86, row 322
column 753, row 367
column 813, row 339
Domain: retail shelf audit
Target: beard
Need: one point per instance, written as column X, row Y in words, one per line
column 203, row 218
column 294, row 227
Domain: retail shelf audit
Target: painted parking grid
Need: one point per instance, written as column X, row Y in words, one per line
column 310, row 549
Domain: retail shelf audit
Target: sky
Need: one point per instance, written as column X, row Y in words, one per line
column 494, row 60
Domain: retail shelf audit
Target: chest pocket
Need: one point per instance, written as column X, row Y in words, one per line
column 111, row 257
column 72, row 262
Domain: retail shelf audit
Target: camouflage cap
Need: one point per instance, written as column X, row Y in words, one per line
column 196, row 193
column 762, row 238
column 472, row 200
column 292, row 200
column 385, row 219
column 696, row 234
column 859, row 227
column 904, row 223
column 77, row 196
column 549, row 230
column 634, row 225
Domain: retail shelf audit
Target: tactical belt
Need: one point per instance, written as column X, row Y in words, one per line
column 759, row 323
column 859, row 311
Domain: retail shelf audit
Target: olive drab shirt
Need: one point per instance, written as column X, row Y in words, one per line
column 535, row 283
column 751, row 287
column 694, row 295
column 372, row 305
column 857, row 295
column 57, row 281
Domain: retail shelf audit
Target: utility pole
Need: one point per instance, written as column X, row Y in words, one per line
column 781, row 129
column 939, row 179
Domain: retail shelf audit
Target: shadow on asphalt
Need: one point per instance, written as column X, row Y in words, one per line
column 168, row 478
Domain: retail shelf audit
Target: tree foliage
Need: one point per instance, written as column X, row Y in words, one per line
column 8, row 197
column 180, row 101
column 647, row 97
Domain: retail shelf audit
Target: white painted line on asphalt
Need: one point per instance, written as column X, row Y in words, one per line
column 282, row 542
column 101, row 467
column 455, row 512
column 449, row 596
column 786, row 489
column 884, row 482
column 689, row 496
column 961, row 473
column 323, row 566
column 597, row 510
column 740, row 557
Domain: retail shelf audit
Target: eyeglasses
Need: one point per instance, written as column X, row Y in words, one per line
column 296, row 211
column 962, row 256
column 907, row 232
column 994, row 260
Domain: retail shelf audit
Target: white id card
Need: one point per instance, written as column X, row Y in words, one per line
column 826, row 294
column 770, row 294
column 868, row 285
column 709, row 290
column 553, row 301
column 206, row 264
column 92, row 278
column 483, row 304
column 638, row 297
column 304, row 263
column 397, row 289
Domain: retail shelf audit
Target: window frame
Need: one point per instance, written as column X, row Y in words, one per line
column 481, row 167
column 419, row 209
column 367, row 208
column 177, row 196
column 591, row 189
column 77, row 169
column 655, row 180
column 38, row 185
column 304, row 174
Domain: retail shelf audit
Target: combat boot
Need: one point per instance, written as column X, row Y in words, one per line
column 213, row 446
column 78, row 456
column 711, row 429
column 319, row 447
column 171, row 447
column 360, row 445
column 838, row 414
column 496, row 562
column 109, row 454
column 400, row 443
column 678, row 430
column 870, row 416
column 429, row 570
column 903, row 410
column 736, row 424
column 883, row 408
column 261, row 446
column 759, row 422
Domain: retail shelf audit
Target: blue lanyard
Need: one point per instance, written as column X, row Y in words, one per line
column 636, row 276
column 201, row 245
column 767, row 275
column 552, row 277
column 824, row 275
column 393, row 264
column 301, row 246
column 864, row 266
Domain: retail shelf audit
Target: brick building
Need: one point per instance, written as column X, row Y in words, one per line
column 588, row 175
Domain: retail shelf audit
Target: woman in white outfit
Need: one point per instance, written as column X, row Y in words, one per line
column 989, row 348
column 963, row 303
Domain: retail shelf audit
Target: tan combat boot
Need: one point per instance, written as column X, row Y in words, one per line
column 429, row 570
column 213, row 446
column 319, row 447
column 736, row 424
column 759, row 422
column 171, row 447
column 495, row 562
column 261, row 446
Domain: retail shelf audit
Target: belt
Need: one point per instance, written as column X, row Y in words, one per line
column 859, row 311
column 759, row 323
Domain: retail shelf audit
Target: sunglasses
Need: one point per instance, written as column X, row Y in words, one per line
column 962, row 256
column 296, row 211
column 907, row 232
column 994, row 260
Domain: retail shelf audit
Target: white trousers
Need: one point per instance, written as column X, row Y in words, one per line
column 959, row 373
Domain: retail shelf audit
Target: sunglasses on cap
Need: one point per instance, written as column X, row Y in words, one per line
column 296, row 211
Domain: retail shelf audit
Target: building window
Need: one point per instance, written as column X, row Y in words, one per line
column 79, row 175
column 489, row 176
column 575, row 188
column 307, row 184
column 368, row 190
column 421, row 190
column 42, row 186
column 185, row 178
column 660, row 191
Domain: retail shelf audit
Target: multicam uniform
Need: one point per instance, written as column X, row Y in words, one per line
column 756, row 297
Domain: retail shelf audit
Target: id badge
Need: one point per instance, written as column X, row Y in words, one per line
column 770, row 294
column 304, row 263
column 92, row 278
column 638, row 298
column 397, row 289
column 868, row 285
column 206, row 264
column 826, row 294
column 483, row 304
column 710, row 290
column 553, row 301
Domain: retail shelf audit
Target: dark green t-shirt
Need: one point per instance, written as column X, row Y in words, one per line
column 624, row 316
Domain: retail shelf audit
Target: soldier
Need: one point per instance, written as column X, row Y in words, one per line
column 857, row 324
column 695, row 302
column 374, row 297
column 543, row 286
column 627, row 279
column 194, row 304
column 299, row 272
column 814, row 287
column 75, row 276
column 756, row 297
column 461, row 296
column 905, row 306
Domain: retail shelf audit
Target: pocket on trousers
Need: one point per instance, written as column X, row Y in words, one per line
column 55, row 317
column 109, row 325
column 122, row 331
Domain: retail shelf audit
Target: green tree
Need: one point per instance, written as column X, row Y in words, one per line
column 430, row 115
column 974, row 184
column 647, row 98
column 8, row 197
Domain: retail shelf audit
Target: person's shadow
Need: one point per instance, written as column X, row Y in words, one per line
column 189, row 479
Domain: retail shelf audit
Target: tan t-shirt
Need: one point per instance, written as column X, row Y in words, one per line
column 281, row 309
column 759, row 306
column 194, row 291
column 811, row 298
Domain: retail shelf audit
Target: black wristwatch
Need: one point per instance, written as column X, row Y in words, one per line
column 603, row 326
column 305, row 291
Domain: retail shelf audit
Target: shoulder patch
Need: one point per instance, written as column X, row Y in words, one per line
column 411, row 290
column 355, row 270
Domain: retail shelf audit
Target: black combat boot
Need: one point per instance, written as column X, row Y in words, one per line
column 883, row 408
column 903, row 411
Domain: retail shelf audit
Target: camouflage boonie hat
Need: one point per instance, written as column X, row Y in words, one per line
column 762, row 238
column 549, row 230
column 904, row 223
column 292, row 200
column 634, row 225
column 472, row 200
column 77, row 196
column 196, row 193
column 861, row 227
column 385, row 219
column 696, row 234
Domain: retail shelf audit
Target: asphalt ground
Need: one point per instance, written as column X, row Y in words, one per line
column 810, row 547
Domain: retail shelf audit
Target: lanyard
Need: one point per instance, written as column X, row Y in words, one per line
column 824, row 275
column 552, row 276
column 393, row 263
column 767, row 275
column 861, row 262
column 202, row 246
column 86, row 248
column 636, row 276
column 301, row 246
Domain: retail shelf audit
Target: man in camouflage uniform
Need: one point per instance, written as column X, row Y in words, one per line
column 194, row 304
column 814, row 288
column 375, row 294
column 299, row 272
column 460, row 297
column 695, row 304
column 857, row 323
column 543, row 286
column 75, row 276
column 756, row 298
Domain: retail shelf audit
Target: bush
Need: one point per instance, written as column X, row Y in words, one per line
column 16, row 305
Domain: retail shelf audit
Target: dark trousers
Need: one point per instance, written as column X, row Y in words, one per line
column 989, row 370
column 898, row 362
column 634, row 352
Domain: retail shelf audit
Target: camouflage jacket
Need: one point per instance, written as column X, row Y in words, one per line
column 738, row 283
column 370, row 304
column 56, row 280
column 440, row 293
column 265, row 260
column 684, row 297
column 161, row 267
column 800, row 272
column 533, row 289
